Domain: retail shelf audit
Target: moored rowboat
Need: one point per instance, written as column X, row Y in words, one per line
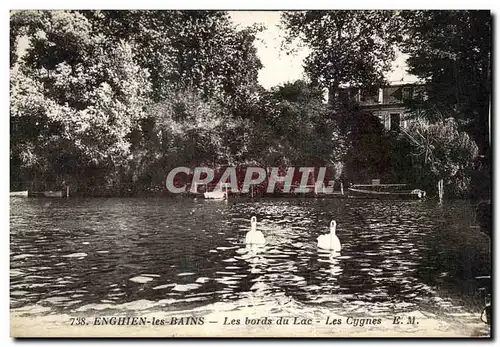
column 219, row 195
column 373, row 194
column 21, row 193
column 53, row 194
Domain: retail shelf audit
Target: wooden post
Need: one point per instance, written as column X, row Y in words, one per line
column 67, row 191
column 440, row 190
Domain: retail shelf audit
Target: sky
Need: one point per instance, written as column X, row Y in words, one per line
column 280, row 67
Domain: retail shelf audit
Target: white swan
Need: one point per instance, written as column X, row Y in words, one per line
column 330, row 241
column 254, row 237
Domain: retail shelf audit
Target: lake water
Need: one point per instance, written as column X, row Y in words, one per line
column 176, row 254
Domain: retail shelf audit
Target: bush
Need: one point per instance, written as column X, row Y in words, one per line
column 441, row 151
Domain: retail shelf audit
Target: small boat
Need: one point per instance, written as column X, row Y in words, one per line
column 219, row 195
column 216, row 195
column 53, row 194
column 385, row 191
column 19, row 194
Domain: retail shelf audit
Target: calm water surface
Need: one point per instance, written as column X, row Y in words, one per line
column 74, row 255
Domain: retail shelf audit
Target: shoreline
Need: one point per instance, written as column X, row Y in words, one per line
column 200, row 197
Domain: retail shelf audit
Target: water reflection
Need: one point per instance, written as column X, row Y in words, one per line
column 88, row 254
column 332, row 259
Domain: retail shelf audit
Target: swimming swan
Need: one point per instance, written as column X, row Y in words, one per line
column 254, row 237
column 330, row 241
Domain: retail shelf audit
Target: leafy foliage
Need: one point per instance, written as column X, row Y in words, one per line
column 85, row 93
column 115, row 99
column 369, row 148
column 297, row 128
column 451, row 52
column 440, row 150
column 187, row 49
column 352, row 48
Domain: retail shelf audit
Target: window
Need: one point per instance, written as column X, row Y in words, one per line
column 369, row 96
column 395, row 120
column 406, row 94
column 391, row 95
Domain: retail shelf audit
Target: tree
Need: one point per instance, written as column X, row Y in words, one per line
column 192, row 126
column 198, row 62
column 82, row 95
column 296, row 128
column 347, row 48
column 451, row 52
column 188, row 49
column 369, row 147
column 113, row 95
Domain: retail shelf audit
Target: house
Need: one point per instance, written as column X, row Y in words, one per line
column 388, row 103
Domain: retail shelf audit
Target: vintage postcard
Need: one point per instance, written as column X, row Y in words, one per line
column 199, row 173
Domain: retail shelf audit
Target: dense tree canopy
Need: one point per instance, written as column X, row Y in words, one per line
column 83, row 93
column 353, row 48
column 112, row 100
column 451, row 52
column 297, row 128
column 123, row 96
column 369, row 149
column 187, row 49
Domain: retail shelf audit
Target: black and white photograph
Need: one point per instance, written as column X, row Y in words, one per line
column 250, row 173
